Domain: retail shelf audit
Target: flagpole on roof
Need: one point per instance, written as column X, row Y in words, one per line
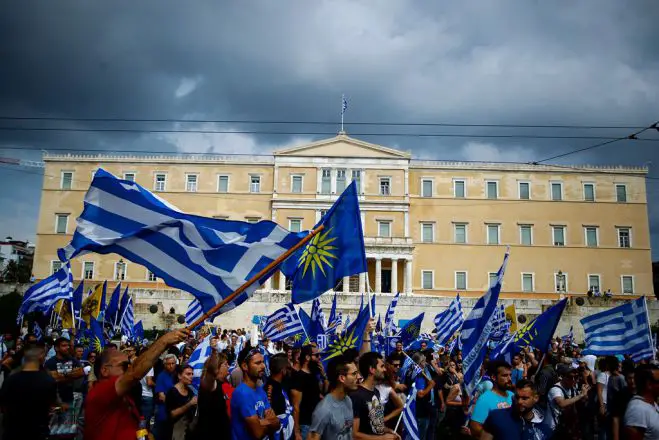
column 256, row 277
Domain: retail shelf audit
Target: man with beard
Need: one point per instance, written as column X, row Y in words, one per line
column 333, row 417
column 367, row 410
column 251, row 414
column 498, row 397
column 519, row 422
column 306, row 391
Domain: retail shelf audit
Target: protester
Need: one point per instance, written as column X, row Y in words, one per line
column 213, row 415
column 642, row 414
column 278, row 396
column 164, row 383
column 306, row 391
column 563, row 398
column 500, row 396
column 181, row 404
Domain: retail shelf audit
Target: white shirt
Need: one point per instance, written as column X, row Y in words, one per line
column 641, row 414
column 603, row 378
column 147, row 391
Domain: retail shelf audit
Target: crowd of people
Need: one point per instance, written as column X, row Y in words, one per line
column 265, row 390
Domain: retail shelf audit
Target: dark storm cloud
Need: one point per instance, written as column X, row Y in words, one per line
column 525, row 62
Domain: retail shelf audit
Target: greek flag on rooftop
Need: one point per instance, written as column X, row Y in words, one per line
column 43, row 295
column 389, row 325
column 194, row 312
column 622, row 330
column 409, row 417
column 282, row 324
column 128, row 319
column 476, row 330
column 449, row 321
column 207, row 257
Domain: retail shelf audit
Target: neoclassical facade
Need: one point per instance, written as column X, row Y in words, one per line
column 430, row 227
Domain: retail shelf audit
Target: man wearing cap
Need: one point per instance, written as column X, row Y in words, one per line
column 562, row 399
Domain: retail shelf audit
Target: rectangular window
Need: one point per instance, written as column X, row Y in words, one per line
column 61, row 223
column 427, row 232
column 191, row 183
column 589, row 192
column 426, row 188
column 621, row 193
column 252, row 219
column 295, row 225
column 67, row 180
column 150, row 276
column 88, row 270
column 556, row 191
column 527, row 282
column 524, row 190
column 161, row 182
column 558, row 233
column 594, row 283
column 459, row 189
column 384, row 229
column 296, row 184
column 492, row 190
column 357, row 177
column 560, row 282
column 223, row 184
column 624, row 237
column 55, row 266
column 526, row 235
column 427, row 279
column 492, row 234
column 120, row 271
column 627, row 284
column 461, row 280
column 326, row 181
column 385, row 186
column 460, row 233
column 340, row 180
column 129, row 177
column 255, row 184
column 591, row 236
column 492, row 277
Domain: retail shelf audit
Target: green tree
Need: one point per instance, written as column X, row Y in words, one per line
column 9, row 305
column 18, row 272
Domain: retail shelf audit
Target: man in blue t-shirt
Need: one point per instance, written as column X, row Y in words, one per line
column 498, row 397
column 251, row 414
column 522, row 421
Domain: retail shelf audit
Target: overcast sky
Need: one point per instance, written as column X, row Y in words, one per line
column 472, row 62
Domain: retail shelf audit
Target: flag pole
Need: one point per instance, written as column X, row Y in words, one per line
column 407, row 401
column 256, row 277
column 343, row 98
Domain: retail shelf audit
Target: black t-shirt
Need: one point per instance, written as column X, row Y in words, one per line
column 64, row 366
column 274, row 390
column 174, row 400
column 307, row 384
column 367, row 407
column 213, row 419
column 26, row 398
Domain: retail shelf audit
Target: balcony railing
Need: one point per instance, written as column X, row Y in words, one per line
column 388, row 241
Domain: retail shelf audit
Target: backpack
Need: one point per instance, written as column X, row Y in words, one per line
column 567, row 422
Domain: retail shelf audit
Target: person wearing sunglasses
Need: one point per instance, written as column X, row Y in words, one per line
column 110, row 413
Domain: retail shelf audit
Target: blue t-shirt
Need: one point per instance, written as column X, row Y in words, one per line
column 505, row 424
column 164, row 383
column 246, row 402
column 490, row 401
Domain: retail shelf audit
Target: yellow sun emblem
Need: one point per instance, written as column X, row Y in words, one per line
column 98, row 347
column 280, row 325
column 342, row 344
column 317, row 252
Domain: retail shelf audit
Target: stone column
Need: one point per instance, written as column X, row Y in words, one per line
column 378, row 275
column 346, row 284
column 362, row 282
column 282, row 282
column 268, row 285
column 408, row 277
column 394, row 275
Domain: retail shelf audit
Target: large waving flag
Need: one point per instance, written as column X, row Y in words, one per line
column 351, row 337
column 621, row 330
column 537, row 334
column 210, row 258
column 43, row 295
column 411, row 330
column 93, row 304
column 335, row 252
column 476, row 330
column 389, row 325
column 282, row 324
column 112, row 310
column 449, row 321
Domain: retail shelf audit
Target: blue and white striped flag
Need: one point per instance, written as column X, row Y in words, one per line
column 500, row 325
column 128, row 319
column 477, row 328
column 622, row 330
column 449, row 321
column 407, row 364
column 37, row 331
column 317, row 314
column 198, row 359
column 409, row 416
column 194, row 312
column 344, row 104
column 43, row 295
column 210, row 258
column 282, row 324
column 334, row 318
column 389, row 324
